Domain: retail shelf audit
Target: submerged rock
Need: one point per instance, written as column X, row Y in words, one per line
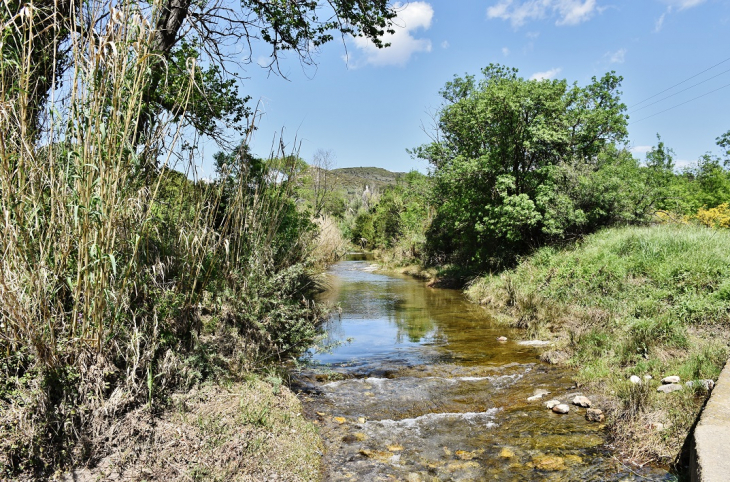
column 634, row 379
column 670, row 379
column 537, row 395
column 562, row 408
column 502, row 339
column 506, row 453
column 549, row 463
column 669, row 388
column 581, row 401
column 594, row 415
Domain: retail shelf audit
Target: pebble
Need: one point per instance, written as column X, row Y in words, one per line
column 552, row 403
column 634, row 379
column 502, row 339
column 669, row 388
column 562, row 408
column 339, row 420
column 537, row 395
column 594, row 415
column 670, row 379
column 581, row 401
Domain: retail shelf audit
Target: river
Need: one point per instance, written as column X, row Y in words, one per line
column 415, row 386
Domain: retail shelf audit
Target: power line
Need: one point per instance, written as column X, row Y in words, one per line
column 686, row 102
column 680, row 83
column 679, row 92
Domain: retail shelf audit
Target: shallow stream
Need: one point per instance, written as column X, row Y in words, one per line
column 415, row 386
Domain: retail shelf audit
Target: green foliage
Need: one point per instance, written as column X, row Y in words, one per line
column 524, row 162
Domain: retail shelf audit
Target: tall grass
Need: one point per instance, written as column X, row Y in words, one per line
column 108, row 253
column 629, row 301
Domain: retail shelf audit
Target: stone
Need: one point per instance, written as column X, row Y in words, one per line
column 670, row 379
column 562, row 408
column 551, row 403
column 669, row 388
column 339, row 420
column 634, row 379
column 537, row 395
column 361, row 420
column 395, row 448
column 534, row 343
column 549, row 463
column 573, row 459
column 581, row 401
column 506, row 453
column 502, row 339
column 595, row 415
column 648, row 377
column 706, row 384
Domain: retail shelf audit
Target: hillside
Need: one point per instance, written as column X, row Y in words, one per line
column 354, row 179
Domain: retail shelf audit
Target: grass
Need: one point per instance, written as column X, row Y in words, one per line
column 628, row 301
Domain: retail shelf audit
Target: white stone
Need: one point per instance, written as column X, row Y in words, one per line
column 669, row 388
column 552, row 403
column 670, row 379
column 582, row 401
column 562, row 408
column 634, row 379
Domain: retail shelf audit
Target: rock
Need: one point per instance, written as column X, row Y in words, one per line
column 551, row 403
column 581, row 401
column 339, row 420
column 706, row 384
column 670, row 379
column 506, row 453
column 502, row 339
column 648, row 377
column 549, row 463
column 634, row 379
column 534, row 343
column 672, row 387
column 562, row 408
column 395, row 448
column 594, row 415
column 361, row 420
column 572, row 459
column 537, row 395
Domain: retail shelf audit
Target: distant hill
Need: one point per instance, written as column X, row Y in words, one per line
column 354, row 179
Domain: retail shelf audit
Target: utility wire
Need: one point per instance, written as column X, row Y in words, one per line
column 679, row 92
column 686, row 102
column 680, row 83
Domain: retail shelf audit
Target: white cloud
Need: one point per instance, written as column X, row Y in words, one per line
column 616, row 57
column 505, row 51
column 445, row 44
column 683, row 4
column 641, row 149
column 411, row 17
column 660, row 22
column 547, row 75
column 569, row 12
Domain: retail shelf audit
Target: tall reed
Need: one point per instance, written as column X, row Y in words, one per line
column 104, row 265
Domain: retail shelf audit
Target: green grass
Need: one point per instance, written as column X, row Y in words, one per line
column 636, row 300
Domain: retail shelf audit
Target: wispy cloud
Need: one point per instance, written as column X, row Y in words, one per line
column 568, row 12
column 505, row 51
column 683, row 4
column 641, row 149
column 617, row 57
column 411, row 17
column 547, row 75
column 445, row 44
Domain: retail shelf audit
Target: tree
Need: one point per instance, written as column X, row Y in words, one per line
column 503, row 144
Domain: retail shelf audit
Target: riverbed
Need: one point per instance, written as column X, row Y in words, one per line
column 411, row 383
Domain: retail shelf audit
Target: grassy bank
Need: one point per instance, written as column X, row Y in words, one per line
column 629, row 301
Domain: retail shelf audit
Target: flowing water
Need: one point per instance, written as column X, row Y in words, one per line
column 415, row 386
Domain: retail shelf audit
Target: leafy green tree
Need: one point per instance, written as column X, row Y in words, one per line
column 504, row 148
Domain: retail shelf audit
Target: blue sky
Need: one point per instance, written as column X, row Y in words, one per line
column 369, row 106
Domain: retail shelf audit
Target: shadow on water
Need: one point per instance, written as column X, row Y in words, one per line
column 415, row 386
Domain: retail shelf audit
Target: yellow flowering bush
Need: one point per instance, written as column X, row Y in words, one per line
column 718, row 217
